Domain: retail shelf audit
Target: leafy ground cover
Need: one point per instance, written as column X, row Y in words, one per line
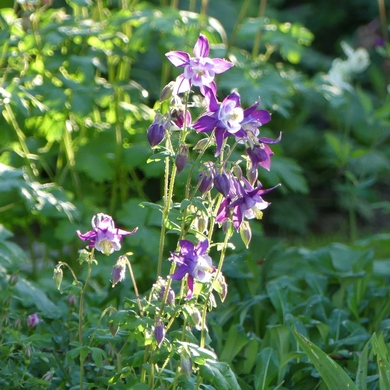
column 92, row 125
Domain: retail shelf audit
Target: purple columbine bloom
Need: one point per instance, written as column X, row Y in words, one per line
column 199, row 70
column 32, row 320
column 244, row 201
column 156, row 131
column 228, row 118
column 104, row 236
column 194, row 262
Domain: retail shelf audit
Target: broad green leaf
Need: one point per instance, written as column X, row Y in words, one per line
column 332, row 374
column 267, row 368
column 236, row 340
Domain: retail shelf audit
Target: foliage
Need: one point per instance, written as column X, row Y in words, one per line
column 80, row 86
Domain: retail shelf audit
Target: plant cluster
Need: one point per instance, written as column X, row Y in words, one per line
column 96, row 122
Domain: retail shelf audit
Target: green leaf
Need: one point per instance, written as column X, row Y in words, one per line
column 361, row 375
column 267, row 368
column 236, row 340
column 332, row 374
column 219, row 374
column 379, row 348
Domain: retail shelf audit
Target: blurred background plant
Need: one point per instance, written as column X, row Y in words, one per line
column 79, row 83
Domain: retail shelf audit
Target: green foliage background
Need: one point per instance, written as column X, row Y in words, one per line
column 80, row 81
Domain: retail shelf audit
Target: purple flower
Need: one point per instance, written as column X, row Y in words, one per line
column 206, row 177
column 104, row 236
column 119, row 270
column 244, row 201
column 199, row 70
column 228, row 118
column 194, row 262
column 159, row 331
column 156, row 131
column 32, row 320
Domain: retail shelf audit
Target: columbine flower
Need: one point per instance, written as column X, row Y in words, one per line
column 119, row 270
column 194, row 262
column 105, row 237
column 228, row 118
column 32, row 320
column 156, row 131
column 199, row 70
column 244, row 201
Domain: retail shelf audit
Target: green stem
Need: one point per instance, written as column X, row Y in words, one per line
column 135, row 286
column 81, row 309
column 22, row 141
column 204, row 312
column 237, row 25
column 256, row 44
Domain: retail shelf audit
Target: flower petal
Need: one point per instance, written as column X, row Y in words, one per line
column 202, row 247
column 221, row 65
column 202, row 47
column 179, row 273
column 178, row 58
column 205, row 124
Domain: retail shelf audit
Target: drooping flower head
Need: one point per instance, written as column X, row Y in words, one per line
column 156, row 131
column 228, row 118
column 32, row 320
column 104, row 236
column 194, row 262
column 200, row 70
column 243, row 201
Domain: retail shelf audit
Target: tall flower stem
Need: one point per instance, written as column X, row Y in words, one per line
column 382, row 15
column 134, row 285
column 81, row 312
column 204, row 312
column 256, row 44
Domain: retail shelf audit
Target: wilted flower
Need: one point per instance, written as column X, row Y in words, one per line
column 104, row 236
column 119, row 270
column 32, row 320
column 194, row 262
column 199, row 70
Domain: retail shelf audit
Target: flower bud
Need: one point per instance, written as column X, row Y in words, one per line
column 5, row 320
column 32, row 320
column 6, row 302
column 197, row 318
column 18, row 324
column 245, row 233
column 180, row 117
column 206, row 178
column 119, row 270
column 113, row 328
column 13, row 280
column 72, row 300
column 185, row 364
column 181, row 158
column 57, row 276
column 222, row 184
column 156, row 131
column 159, row 331
column 28, row 352
column 252, row 175
column 201, row 145
column 237, row 172
column 166, row 92
column 49, row 375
